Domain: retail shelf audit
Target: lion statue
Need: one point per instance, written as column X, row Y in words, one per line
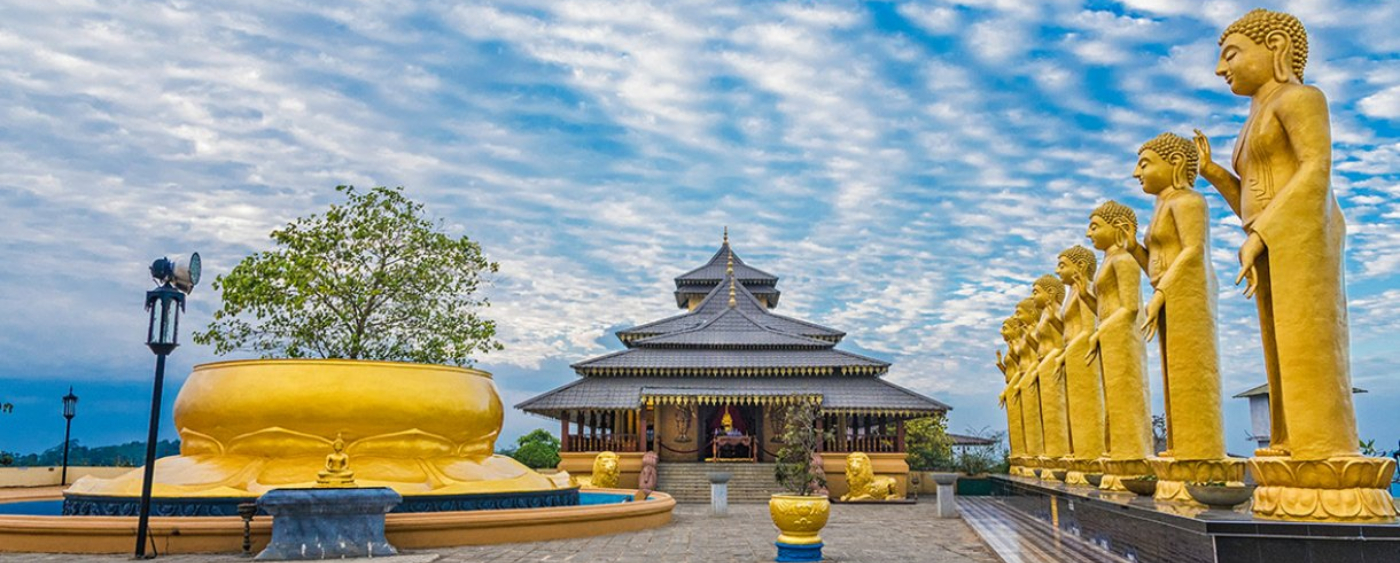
column 864, row 484
column 606, row 472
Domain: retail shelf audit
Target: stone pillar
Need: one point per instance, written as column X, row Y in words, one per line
column 947, row 504
column 719, row 493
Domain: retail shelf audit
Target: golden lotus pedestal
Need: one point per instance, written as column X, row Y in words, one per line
column 1048, row 467
column 1340, row 489
column 1116, row 470
column 247, row 427
column 1173, row 475
column 1078, row 468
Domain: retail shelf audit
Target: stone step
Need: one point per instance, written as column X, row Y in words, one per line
column 689, row 482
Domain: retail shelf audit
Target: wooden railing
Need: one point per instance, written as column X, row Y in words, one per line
column 867, row 444
column 608, row 443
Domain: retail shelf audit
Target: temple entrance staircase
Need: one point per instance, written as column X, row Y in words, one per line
column 687, row 482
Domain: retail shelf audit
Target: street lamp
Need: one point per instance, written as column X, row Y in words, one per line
column 70, row 410
column 164, row 303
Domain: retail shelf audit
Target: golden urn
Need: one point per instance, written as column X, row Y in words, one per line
column 799, row 519
column 250, row 426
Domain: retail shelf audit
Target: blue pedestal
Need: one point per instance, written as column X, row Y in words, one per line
column 790, row 552
column 328, row 523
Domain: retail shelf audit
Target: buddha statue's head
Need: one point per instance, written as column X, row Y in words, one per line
column 1260, row 48
column 1167, row 161
column 1027, row 311
column 1111, row 224
column 1011, row 329
column 1048, row 291
column 1076, row 264
column 727, row 422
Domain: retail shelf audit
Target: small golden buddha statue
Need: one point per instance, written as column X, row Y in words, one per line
column 1117, row 345
column 1049, row 294
column 1011, row 396
column 1028, row 387
column 1083, row 382
column 1175, row 254
column 1292, row 258
column 337, row 473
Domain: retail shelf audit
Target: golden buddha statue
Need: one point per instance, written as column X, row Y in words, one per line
column 1049, row 294
column 1292, row 259
column 1083, row 382
column 1028, row 387
column 1175, row 254
column 1011, row 396
column 337, row 473
column 1117, row 345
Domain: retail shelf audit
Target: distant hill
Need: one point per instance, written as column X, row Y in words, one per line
column 130, row 454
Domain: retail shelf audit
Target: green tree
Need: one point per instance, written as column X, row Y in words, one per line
column 370, row 279
column 794, row 469
column 928, row 444
column 537, row 450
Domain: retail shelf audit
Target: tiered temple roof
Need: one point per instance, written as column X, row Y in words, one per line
column 700, row 281
column 731, row 348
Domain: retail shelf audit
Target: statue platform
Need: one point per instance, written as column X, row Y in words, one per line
column 1147, row 531
column 328, row 523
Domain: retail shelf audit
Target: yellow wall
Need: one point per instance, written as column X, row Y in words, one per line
column 49, row 476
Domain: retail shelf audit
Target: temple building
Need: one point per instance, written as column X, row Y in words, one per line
column 711, row 384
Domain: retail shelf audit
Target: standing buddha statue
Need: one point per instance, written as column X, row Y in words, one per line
column 1049, row 293
column 1292, row 257
column 1117, row 345
column 1083, row 382
column 1175, row 254
column 1028, row 313
column 1011, row 396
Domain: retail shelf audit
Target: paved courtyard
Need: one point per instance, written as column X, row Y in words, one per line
column 855, row 533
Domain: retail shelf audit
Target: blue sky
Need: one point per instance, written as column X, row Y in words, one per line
column 907, row 169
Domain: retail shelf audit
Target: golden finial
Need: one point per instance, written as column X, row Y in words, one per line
column 732, row 300
column 726, row 235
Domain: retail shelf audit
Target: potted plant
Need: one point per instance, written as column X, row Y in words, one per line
column 1142, row 485
column 802, row 512
column 1219, row 494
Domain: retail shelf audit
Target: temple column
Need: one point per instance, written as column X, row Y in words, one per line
column 641, row 430
column 564, row 431
column 821, row 437
column 899, row 436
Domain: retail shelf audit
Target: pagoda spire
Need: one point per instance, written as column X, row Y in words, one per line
column 726, row 235
column 729, row 271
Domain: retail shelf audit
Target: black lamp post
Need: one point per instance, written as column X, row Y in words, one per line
column 70, row 410
column 165, row 303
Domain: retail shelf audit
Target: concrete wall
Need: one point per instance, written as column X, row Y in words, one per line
column 49, row 476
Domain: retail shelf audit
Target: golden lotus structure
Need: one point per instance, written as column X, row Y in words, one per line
column 247, row 427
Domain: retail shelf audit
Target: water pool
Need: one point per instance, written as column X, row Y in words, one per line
column 55, row 507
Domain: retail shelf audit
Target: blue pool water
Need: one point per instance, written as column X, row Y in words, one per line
column 1395, row 490
column 55, row 507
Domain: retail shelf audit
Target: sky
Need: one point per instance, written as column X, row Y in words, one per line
column 906, row 169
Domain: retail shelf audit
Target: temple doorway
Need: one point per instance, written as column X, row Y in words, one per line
column 741, row 441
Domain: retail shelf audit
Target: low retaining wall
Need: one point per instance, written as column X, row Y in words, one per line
column 49, row 476
column 104, row 534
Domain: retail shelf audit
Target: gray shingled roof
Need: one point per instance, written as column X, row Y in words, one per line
column 717, row 302
column 716, row 268
column 732, row 329
column 627, row 393
column 701, row 358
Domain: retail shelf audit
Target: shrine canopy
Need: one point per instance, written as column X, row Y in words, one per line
column 728, row 348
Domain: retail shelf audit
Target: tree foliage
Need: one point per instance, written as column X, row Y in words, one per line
column 928, row 445
column 537, row 450
column 794, row 469
column 370, row 279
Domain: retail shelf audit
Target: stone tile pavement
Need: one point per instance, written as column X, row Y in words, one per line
column 855, row 534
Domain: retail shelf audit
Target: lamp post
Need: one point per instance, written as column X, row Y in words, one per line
column 70, row 410
column 164, row 303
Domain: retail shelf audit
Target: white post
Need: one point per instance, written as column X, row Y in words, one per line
column 947, row 505
column 719, row 493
